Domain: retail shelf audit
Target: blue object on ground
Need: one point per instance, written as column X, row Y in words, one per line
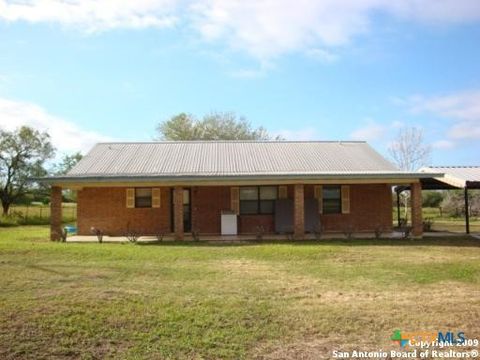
column 70, row 229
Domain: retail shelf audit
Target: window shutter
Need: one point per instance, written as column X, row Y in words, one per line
column 235, row 199
column 345, row 199
column 130, row 198
column 156, row 198
column 282, row 192
column 318, row 194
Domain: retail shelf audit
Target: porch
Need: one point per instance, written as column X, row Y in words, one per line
column 358, row 208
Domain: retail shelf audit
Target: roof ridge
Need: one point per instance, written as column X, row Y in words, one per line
column 453, row 166
column 233, row 141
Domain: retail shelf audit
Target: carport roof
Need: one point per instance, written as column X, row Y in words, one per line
column 453, row 177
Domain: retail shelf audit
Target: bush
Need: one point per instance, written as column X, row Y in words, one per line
column 7, row 221
column 427, row 224
column 432, row 198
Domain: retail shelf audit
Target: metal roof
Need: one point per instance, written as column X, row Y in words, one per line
column 223, row 159
column 456, row 176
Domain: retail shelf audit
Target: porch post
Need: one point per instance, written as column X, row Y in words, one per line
column 178, row 212
column 398, row 208
column 467, row 211
column 56, row 213
column 298, row 212
column 417, row 224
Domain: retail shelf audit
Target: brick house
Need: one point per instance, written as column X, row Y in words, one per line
column 269, row 186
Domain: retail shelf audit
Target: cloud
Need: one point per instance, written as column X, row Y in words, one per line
column 308, row 133
column 268, row 28
column 66, row 136
column 462, row 109
column 263, row 29
column 443, row 144
column 369, row 132
column 322, row 55
column 93, row 15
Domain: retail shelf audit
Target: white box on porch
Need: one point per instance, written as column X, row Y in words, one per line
column 229, row 223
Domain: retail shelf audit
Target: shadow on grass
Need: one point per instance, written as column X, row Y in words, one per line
column 463, row 241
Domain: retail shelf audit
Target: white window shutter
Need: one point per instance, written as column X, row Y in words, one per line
column 156, row 198
column 235, row 199
column 318, row 194
column 130, row 203
column 345, row 199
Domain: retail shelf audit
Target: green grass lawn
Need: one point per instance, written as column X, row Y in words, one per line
column 267, row 301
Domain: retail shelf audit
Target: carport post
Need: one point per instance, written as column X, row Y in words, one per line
column 467, row 212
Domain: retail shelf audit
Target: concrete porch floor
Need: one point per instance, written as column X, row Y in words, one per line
column 248, row 238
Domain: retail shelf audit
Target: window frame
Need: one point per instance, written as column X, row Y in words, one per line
column 338, row 200
column 137, row 206
column 259, row 201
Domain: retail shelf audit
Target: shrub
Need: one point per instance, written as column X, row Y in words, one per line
column 378, row 231
column 260, row 231
column 8, row 221
column 196, row 236
column 160, row 235
column 427, row 224
column 348, row 231
column 98, row 233
column 432, row 198
column 318, row 231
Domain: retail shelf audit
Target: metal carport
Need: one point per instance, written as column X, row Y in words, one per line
column 450, row 177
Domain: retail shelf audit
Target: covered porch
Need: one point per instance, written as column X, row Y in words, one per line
column 362, row 206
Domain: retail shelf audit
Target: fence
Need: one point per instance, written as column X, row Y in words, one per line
column 42, row 212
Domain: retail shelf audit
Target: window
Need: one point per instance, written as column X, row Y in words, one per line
column 143, row 197
column 258, row 200
column 332, row 200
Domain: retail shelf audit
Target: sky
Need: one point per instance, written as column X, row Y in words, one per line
column 110, row 70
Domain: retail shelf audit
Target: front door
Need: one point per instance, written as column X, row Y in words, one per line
column 187, row 211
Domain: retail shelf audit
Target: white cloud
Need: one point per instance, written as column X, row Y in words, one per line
column 267, row 28
column 462, row 109
column 308, row 133
column 262, row 28
column 322, row 55
column 443, row 144
column 66, row 136
column 369, row 132
column 93, row 15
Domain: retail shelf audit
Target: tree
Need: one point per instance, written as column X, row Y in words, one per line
column 214, row 126
column 23, row 153
column 432, row 198
column 409, row 153
column 67, row 163
column 63, row 167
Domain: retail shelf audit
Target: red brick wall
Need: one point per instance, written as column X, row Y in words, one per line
column 248, row 224
column 104, row 208
column 370, row 206
column 207, row 205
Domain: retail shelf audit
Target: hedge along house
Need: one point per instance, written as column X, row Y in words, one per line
column 269, row 187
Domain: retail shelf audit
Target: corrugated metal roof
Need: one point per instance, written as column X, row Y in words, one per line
column 230, row 158
column 455, row 175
